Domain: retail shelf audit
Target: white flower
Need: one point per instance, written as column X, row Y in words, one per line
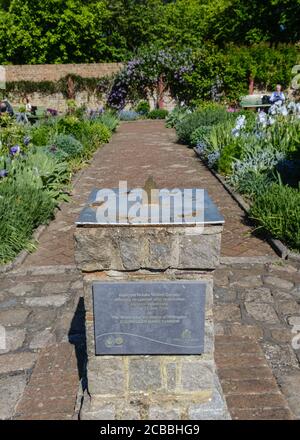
column 263, row 118
column 271, row 121
column 284, row 111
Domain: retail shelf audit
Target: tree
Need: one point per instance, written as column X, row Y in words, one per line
column 151, row 73
column 61, row 31
column 242, row 21
column 56, row 31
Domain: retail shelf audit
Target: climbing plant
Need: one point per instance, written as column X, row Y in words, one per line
column 69, row 85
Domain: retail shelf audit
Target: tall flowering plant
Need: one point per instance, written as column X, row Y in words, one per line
column 152, row 73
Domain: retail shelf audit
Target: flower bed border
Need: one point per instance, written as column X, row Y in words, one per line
column 21, row 257
column 283, row 251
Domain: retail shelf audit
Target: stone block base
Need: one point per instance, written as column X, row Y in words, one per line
column 157, row 248
column 152, row 387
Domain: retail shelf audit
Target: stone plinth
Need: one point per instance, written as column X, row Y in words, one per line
column 150, row 386
column 150, row 247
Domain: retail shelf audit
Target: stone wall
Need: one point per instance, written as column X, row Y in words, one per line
column 54, row 72
column 56, row 101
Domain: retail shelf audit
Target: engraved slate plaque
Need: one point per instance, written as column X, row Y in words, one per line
column 149, row 317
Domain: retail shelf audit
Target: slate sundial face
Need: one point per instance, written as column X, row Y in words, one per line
column 122, row 207
column 149, row 317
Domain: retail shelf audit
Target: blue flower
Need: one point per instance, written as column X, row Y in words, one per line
column 3, row 173
column 15, row 150
column 213, row 158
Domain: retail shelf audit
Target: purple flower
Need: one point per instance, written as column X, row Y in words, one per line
column 3, row 173
column 15, row 150
column 52, row 111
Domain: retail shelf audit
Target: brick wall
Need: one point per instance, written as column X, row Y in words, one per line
column 53, row 72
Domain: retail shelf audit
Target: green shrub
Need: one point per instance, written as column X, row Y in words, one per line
column 175, row 116
column 159, row 113
column 72, row 125
column 23, row 207
column 207, row 116
column 98, row 134
column 252, row 184
column 11, row 135
column 278, row 211
column 220, row 136
column 40, row 135
column 143, row 108
column 67, row 145
column 109, row 119
column 42, row 170
column 224, row 72
column 200, row 135
column 229, row 153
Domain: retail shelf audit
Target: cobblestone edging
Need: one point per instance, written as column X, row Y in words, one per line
column 283, row 251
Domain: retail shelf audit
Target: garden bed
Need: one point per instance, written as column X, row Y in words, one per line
column 36, row 168
column 257, row 156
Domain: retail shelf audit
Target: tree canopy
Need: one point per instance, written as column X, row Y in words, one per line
column 66, row 31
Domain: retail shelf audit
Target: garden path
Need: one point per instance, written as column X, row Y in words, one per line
column 138, row 150
column 42, row 311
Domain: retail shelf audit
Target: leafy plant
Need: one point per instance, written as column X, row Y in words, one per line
column 143, row 108
column 229, row 154
column 206, row 116
column 23, row 207
column 277, row 210
column 72, row 125
column 200, row 135
column 67, row 146
column 158, row 114
column 175, row 116
column 109, row 119
column 252, row 183
column 98, row 134
column 40, row 134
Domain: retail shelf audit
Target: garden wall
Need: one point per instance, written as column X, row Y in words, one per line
column 54, row 72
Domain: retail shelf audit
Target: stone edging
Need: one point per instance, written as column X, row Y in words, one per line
column 283, row 251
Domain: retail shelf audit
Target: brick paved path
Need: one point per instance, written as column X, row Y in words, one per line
column 43, row 314
column 137, row 151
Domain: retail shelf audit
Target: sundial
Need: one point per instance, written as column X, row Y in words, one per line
column 149, row 206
